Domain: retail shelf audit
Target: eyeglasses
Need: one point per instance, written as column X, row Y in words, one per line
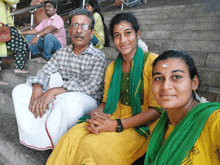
column 48, row 6
column 83, row 26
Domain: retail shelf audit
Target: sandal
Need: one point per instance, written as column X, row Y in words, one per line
column 21, row 71
column 3, row 83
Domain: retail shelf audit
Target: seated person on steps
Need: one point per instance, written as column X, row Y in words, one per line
column 48, row 36
column 69, row 86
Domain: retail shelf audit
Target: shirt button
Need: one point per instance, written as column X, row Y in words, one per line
column 126, row 103
column 127, row 90
column 127, row 78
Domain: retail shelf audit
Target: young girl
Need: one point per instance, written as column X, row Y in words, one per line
column 188, row 131
column 116, row 132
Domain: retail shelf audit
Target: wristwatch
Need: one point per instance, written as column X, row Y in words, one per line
column 38, row 35
column 119, row 127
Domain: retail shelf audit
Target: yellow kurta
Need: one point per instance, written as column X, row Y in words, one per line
column 79, row 146
column 3, row 18
column 206, row 150
column 99, row 31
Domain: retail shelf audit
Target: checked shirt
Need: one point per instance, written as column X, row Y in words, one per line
column 81, row 73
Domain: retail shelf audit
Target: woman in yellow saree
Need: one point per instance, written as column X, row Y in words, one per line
column 117, row 130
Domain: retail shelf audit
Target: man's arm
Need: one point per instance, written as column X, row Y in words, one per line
column 48, row 29
column 27, row 32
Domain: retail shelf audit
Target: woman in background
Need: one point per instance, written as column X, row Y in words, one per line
column 17, row 44
column 99, row 35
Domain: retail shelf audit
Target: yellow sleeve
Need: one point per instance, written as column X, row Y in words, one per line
column 206, row 149
column 99, row 30
column 108, row 77
column 213, row 124
column 147, row 76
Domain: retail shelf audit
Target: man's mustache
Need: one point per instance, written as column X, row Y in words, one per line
column 78, row 35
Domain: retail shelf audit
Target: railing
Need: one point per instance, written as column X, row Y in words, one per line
column 32, row 10
column 122, row 5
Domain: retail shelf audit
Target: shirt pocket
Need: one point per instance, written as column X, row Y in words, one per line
column 85, row 72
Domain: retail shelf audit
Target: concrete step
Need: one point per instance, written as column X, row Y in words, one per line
column 11, row 151
column 196, row 35
column 6, row 103
column 187, row 45
column 163, row 12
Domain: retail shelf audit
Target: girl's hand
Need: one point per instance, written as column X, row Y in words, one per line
column 101, row 123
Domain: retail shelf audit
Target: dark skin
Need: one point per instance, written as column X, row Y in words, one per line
column 125, row 39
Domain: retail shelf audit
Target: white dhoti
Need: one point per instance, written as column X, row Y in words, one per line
column 64, row 112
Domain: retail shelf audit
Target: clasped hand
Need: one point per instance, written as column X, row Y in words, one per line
column 39, row 102
column 100, row 122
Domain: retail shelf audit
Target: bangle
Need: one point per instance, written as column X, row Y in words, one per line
column 37, row 86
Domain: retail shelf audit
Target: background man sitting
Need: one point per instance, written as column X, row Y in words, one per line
column 70, row 85
column 48, row 36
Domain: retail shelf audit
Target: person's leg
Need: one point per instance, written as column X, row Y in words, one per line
column 51, row 44
column 94, row 40
column 18, row 45
column 32, row 131
column 0, row 63
column 65, row 150
column 35, row 49
column 67, row 109
column 1, row 82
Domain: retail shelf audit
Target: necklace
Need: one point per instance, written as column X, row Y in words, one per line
column 183, row 115
column 127, row 58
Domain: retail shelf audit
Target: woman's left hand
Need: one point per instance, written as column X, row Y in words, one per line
column 102, row 123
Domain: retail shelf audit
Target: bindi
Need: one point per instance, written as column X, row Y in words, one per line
column 164, row 65
column 119, row 27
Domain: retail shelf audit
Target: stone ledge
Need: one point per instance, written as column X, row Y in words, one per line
column 11, row 151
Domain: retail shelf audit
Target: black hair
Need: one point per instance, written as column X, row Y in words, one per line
column 52, row 3
column 126, row 16
column 179, row 54
column 96, row 7
column 80, row 11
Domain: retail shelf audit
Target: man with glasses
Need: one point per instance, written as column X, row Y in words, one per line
column 68, row 87
column 48, row 36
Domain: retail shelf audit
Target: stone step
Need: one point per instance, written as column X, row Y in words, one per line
column 11, row 151
column 162, row 13
column 181, row 27
column 6, row 103
column 187, row 45
column 188, row 10
column 196, row 35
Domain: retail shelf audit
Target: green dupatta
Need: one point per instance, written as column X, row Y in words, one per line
column 115, row 86
column 181, row 139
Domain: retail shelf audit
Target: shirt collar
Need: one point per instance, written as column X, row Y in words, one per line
column 52, row 17
column 89, row 50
